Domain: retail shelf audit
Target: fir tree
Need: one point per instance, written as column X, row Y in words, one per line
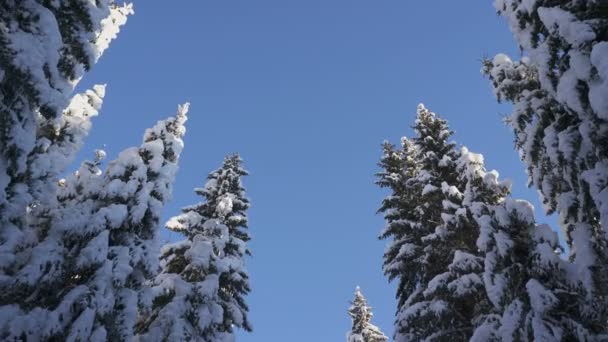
column 526, row 280
column 432, row 252
column 524, row 277
column 140, row 180
column 398, row 169
column 560, row 124
column 361, row 315
column 500, row 277
column 73, row 252
column 75, row 127
column 81, row 282
column 200, row 293
column 45, row 48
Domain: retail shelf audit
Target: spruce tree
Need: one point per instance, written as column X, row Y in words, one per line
column 74, row 252
column 524, row 277
column 526, row 280
column 200, row 292
column 361, row 315
column 398, row 168
column 76, row 123
column 82, row 281
column 45, row 48
column 560, row 123
column 432, row 252
column 502, row 278
column 141, row 180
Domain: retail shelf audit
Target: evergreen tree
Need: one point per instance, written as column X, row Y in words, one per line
column 526, row 280
column 524, row 277
column 432, row 252
column 200, row 293
column 73, row 252
column 361, row 315
column 398, row 168
column 45, row 48
column 560, row 124
column 75, row 127
column 82, row 281
column 500, row 277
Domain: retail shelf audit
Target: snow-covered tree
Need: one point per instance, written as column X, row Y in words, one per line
column 74, row 252
column 140, row 181
column 81, row 281
column 200, row 293
column 526, row 281
column 471, row 262
column 398, row 167
column 566, row 42
column 560, row 123
column 45, row 48
column 432, row 253
column 361, row 315
column 75, row 126
column 524, row 276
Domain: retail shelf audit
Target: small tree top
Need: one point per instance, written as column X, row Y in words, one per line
column 361, row 314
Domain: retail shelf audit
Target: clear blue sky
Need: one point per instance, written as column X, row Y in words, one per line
column 306, row 91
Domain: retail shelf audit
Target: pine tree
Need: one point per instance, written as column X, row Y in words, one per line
column 432, row 252
column 45, row 48
column 200, row 293
column 361, row 315
column 560, row 124
column 82, row 281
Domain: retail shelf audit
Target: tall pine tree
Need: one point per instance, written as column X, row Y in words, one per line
column 200, row 293
column 361, row 315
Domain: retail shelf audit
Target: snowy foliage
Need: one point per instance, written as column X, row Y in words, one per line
column 566, row 42
column 432, row 253
column 140, row 181
column 361, row 315
column 74, row 252
column 560, row 123
column 524, row 277
column 99, row 245
column 472, row 264
column 199, row 294
column 45, row 48
column 398, row 166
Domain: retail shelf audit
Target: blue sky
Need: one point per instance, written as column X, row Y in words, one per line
column 306, row 91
